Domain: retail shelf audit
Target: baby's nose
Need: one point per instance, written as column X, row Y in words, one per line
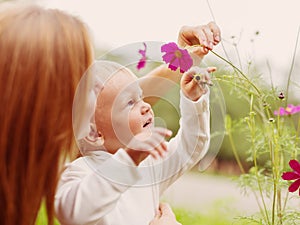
column 145, row 108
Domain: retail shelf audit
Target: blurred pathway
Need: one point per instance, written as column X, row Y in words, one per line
column 203, row 193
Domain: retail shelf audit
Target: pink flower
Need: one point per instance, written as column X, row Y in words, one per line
column 176, row 57
column 295, row 175
column 289, row 110
column 141, row 64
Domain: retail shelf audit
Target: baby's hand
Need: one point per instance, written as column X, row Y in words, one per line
column 148, row 143
column 194, row 82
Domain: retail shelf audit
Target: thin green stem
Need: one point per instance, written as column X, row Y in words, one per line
column 260, row 189
column 297, row 138
column 254, row 153
column 270, row 74
column 292, row 67
column 238, row 56
column 231, row 64
column 237, row 158
column 239, row 86
column 214, row 19
column 285, row 200
column 279, row 207
column 237, row 69
column 274, row 161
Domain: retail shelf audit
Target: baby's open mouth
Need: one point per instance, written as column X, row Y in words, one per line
column 148, row 122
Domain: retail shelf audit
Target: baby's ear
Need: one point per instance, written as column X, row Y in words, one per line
column 97, row 88
column 93, row 141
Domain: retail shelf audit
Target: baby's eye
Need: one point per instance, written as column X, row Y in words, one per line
column 130, row 103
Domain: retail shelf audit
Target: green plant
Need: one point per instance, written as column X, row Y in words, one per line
column 274, row 140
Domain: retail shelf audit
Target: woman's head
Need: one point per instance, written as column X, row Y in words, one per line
column 44, row 52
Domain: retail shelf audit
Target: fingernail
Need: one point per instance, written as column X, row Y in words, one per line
column 217, row 38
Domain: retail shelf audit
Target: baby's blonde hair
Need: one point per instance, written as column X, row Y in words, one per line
column 85, row 100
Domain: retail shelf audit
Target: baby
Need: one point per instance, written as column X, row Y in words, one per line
column 127, row 163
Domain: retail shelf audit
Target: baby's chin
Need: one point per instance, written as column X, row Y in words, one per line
column 148, row 129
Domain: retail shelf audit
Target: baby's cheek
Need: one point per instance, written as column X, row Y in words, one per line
column 135, row 124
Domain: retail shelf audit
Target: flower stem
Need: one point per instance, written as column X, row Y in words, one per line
column 251, row 125
column 237, row 69
column 235, row 85
column 292, row 67
column 237, row 158
column 231, row 64
column 279, row 206
column 297, row 138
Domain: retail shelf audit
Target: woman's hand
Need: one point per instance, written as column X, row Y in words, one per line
column 205, row 35
column 165, row 216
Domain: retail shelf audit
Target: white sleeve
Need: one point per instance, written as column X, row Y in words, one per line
column 191, row 141
column 86, row 194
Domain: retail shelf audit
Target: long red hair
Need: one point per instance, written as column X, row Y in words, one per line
column 43, row 54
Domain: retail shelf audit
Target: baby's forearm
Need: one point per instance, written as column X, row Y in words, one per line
column 158, row 82
column 191, row 142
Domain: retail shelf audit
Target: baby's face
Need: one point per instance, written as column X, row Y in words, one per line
column 121, row 112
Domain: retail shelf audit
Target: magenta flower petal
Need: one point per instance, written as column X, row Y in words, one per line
column 175, row 62
column 170, row 47
column 282, row 111
column 168, row 57
column 290, row 176
column 279, row 112
column 295, row 110
column 176, row 57
column 289, row 110
column 142, row 62
column 294, row 186
column 295, row 165
column 294, row 175
column 186, row 64
column 173, row 67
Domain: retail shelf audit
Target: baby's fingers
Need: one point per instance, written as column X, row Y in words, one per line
column 203, row 77
column 211, row 69
column 162, row 131
column 159, row 151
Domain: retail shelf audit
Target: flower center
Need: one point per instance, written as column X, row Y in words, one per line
column 288, row 109
column 178, row 54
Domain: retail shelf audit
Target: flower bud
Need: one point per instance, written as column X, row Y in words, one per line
column 281, row 96
column 271, row 120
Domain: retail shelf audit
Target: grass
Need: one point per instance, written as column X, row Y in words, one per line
column 214, row 217
column 42, row 217
column 192, row 218
column 184, row 216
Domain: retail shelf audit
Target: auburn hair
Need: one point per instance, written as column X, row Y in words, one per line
column 44, row 53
